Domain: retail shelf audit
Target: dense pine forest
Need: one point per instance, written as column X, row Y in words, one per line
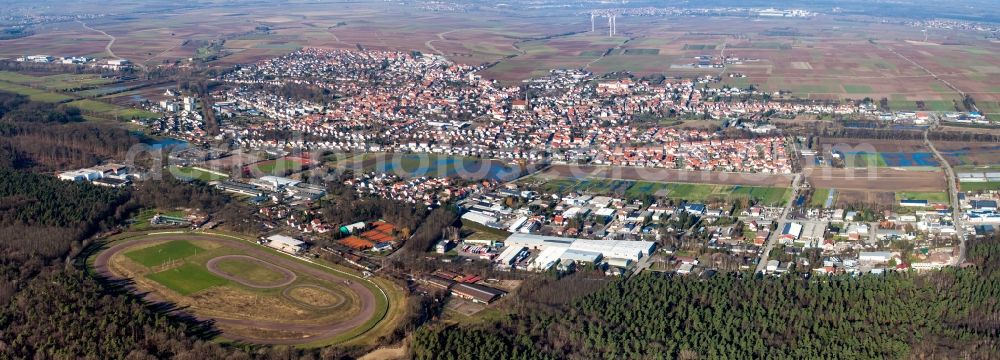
column 949, row 314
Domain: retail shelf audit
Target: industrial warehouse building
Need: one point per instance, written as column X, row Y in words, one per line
column 555, row 249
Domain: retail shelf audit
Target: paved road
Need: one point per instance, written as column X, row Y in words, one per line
column 953, row 195
column 773, row 238
column 315, row 331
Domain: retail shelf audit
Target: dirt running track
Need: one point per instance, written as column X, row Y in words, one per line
column 318, row 332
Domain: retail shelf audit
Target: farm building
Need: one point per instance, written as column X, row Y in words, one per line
column 285, row 243
column 439, row 282
column 476, row 293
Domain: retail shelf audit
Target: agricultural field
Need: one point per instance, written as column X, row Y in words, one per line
column 877, row 179
column 252, row 293
column 278, row 167
column 931, row 197
column 880, row 153
column 58, row 82
column 969, row 154
column 664, row 175
column 33, row 93
column 804, row 56
column 111, row 111
column 680, row 191
column 876, row 186
column 415, row 165
column 820, row 196
column 979, row 186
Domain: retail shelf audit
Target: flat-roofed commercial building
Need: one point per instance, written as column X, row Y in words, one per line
column 632, row 250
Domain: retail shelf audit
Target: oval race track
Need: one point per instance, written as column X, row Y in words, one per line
column 213, row 266
column 317, row 331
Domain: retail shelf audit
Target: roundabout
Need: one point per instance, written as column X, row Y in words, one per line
column 252, row 294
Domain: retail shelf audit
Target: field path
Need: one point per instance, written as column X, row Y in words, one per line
column 317, row 331
column 111, row 42
column 111, row 39
column 935, row 76
column 440, row 37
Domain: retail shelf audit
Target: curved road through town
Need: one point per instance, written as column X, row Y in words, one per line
column 316, row 331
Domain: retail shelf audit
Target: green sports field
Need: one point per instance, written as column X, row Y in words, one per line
column 163, row 253
column 188, row 172
column 187, row 279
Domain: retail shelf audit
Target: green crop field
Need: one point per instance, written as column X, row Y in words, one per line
column 54, row 82
column 931, row 197
column 864, row 160
column 857, row 89
column 819, row 198
column 32, row 93
column 699, row 47
column 980, row 186
column 642, row 51
column 93, row 106
column 162, row 253
column 680, row 191
column 187, row 279
column 252, row 271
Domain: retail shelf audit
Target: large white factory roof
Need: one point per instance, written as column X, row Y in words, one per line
column 633, row 250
